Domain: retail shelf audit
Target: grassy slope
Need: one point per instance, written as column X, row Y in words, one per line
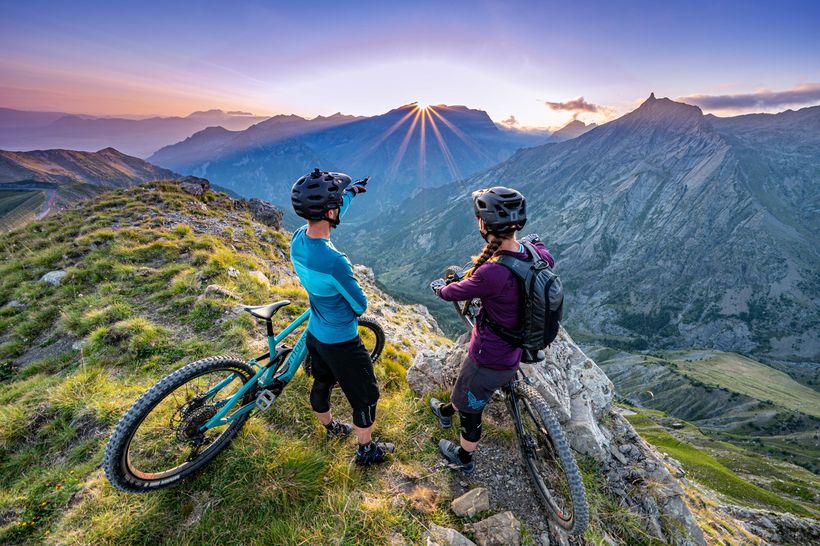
column 18, row 207
column 768, row 427
column 133, row 295
column 746, row 376
column 729, row 470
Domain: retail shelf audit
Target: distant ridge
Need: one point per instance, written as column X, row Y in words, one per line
column 106, row 167
column 404, row 149
column 23, row 130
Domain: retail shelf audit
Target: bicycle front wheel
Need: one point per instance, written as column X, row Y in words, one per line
column 550, row 462
column 159, row 440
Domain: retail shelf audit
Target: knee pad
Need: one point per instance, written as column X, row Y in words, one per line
column 364, row 417
column 470, row 426
column 320, row 396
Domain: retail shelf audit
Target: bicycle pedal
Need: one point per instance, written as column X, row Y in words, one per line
column 264, row 400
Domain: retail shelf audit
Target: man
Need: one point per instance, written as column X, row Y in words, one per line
column 336, row 301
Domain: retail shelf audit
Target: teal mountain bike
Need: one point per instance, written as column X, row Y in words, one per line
column 181, row 423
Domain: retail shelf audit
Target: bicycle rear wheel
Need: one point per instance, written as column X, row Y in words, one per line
column 372, row 336
column 159, row 442
column 550, row 462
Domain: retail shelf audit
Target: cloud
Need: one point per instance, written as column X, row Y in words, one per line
column 510, row 121
column 801, row 94
column 239, row 113
column 579, row 106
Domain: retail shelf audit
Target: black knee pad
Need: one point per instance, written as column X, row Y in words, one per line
column 470, row 426
column 365, row 416
column 320, row 396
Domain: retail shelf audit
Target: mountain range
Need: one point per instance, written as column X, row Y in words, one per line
column 107, row 167
column 406, row 149
column 671, row 229
column 24, row 130
column 34, row 184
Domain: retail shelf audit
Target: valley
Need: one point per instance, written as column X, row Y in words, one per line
column 738, row 474
column 404, row 150
column 729, row 397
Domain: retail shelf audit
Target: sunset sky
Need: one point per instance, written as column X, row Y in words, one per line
column 525, row 62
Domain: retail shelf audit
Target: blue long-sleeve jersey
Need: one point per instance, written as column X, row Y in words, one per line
column 336, row 299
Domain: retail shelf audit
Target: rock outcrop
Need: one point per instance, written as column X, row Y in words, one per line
column 194, row 185
column 581, row 395
column 265, row 213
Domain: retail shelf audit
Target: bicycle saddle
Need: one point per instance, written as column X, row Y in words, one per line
column 265, row 312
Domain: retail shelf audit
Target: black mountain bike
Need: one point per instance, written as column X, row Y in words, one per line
column 544, row 447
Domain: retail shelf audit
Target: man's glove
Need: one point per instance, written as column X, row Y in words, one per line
column 359, row 186
column 437, row 285
column 531, row 238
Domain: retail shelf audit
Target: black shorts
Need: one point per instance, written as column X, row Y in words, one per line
column 348, row 363
column 475, row 386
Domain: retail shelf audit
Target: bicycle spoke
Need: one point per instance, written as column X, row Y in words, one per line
column 169, row 436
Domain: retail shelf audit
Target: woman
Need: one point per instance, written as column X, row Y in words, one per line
column 491, row 362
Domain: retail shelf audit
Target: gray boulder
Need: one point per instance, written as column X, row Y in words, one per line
column 471, row 503
column 265, row 213
column 580, row 394
column 194, row 185
column 444, row 536
column 53, row 277
column 498, row 530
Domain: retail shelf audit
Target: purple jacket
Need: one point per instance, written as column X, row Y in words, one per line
column 500, row 296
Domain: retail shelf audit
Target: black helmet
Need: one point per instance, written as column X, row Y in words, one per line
column 318, row 192
column 503, row 210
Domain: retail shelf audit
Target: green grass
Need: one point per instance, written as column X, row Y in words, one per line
column 746, row 376
column 18, row 207
column 706, row 469
column 11, row 199
column 133, row 295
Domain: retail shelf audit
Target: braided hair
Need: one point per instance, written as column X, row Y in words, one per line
column 488, row 252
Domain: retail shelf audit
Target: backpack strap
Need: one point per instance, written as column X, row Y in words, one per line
column 521, row 268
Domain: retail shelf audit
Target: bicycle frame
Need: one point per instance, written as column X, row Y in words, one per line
column 282, row 366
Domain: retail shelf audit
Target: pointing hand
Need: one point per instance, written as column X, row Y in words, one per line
column 359, row 186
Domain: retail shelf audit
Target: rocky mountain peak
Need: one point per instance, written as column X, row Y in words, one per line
column 111, row 151
column 573, row 129
column 666, row 111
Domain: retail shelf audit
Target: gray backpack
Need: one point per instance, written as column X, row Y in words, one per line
column 542, row 309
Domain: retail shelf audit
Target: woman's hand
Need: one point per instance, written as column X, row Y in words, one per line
column 437, row 285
